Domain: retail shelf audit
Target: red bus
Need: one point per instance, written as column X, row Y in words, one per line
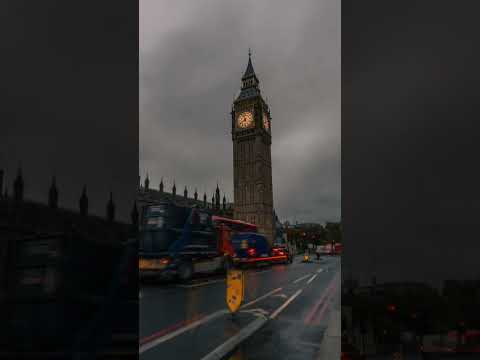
column 235, row 226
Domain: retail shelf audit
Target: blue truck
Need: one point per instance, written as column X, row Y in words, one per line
column 179, row 242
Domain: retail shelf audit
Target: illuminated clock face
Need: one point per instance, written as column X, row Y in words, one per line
column 245, row 119
column 266, row 122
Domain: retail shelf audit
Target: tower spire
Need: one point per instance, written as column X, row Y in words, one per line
column 249, row 72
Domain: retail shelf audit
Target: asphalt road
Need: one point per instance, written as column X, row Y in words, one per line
column 189, row 321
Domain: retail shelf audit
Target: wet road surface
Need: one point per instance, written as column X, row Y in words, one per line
column 188, row 321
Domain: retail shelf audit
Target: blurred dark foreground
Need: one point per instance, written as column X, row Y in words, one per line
column 68, row 283
column 412, row 320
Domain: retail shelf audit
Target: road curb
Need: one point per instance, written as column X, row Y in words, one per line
column 228, row 346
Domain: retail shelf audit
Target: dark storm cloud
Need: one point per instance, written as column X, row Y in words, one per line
column 192, row 56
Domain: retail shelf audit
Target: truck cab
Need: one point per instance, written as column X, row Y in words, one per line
column 250, row 248
column 282, row 253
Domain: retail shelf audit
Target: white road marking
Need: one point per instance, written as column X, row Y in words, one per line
column 285, row 304
column 319, row 270
column 162, row 339
column 204, row 320
column 283, row 296
column 256, row 312
column 228, row 346
column 261, row 297
column 303, row 277
column 311, row 279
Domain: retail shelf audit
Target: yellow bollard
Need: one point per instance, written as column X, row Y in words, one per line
column 235, row 289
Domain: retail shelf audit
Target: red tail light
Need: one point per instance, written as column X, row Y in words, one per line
column 251, row 252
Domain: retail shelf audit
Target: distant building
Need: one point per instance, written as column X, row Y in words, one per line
column 148, row 196
column 307, row 225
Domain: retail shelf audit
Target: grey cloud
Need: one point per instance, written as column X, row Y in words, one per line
column 192, row 56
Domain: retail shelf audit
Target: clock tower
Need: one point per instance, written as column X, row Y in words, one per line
column 252, row 162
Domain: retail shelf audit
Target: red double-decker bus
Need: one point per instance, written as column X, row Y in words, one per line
column 235, row 226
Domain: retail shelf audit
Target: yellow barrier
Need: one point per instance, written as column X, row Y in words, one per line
column 235, row 289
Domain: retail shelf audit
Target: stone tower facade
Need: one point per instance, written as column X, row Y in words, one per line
column 252, row 162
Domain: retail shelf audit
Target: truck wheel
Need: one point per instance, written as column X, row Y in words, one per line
column 185, row 271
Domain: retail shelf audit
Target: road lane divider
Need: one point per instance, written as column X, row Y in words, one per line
column 164, row 335
column 285, row 304
column 260, row 298
column 303, row 277
column 256, row 312
column 228, row 346
column 319, row 271
column 311, row 279
column 177, row 329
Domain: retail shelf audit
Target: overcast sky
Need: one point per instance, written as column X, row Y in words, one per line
column 192, row 57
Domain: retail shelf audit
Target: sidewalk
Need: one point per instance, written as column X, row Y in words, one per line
column 330, row 346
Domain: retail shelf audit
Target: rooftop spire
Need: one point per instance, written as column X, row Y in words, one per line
column 84, row 202
column 147, row 182
column 110, row 209
column 53, row 194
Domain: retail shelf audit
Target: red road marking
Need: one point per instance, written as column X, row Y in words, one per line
column 170, row 329
column 319, row 317
column 311, row 315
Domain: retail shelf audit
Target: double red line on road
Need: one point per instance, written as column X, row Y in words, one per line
column 316, row 313
column 170, row 329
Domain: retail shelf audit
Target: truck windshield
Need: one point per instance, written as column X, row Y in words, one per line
column 155, row 241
